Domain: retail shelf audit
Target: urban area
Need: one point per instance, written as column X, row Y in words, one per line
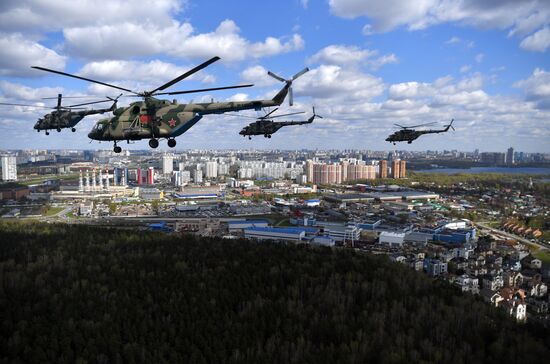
column 489, row 239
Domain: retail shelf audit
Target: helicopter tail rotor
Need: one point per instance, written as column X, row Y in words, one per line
column 114, row 100
column 315, row 115
column 451, row 125
column 289, row 83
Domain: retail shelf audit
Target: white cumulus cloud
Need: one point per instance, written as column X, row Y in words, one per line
column 537, row 88
column 130, row 39
column 538, row 42
column 519, row 17
column 349, row 55
column 20, row 53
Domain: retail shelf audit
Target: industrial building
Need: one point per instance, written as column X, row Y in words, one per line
column 382, row 196
column 392, row 239
column 239, row 225
column 291, row 234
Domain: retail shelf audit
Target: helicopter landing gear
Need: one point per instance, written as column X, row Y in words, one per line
column 249, row 137
column 58, row 130
column 265, row 135
column 117, row 149
column 73, row 130
column 47, row 132
column 171, row 143
column 409, row 142
column 269, row 136
column 153, row 143
column 38, row 130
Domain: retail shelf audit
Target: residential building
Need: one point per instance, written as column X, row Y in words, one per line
column 167, row 164
column 197, row 175
column 395, row 165
column 383, row 169
column 9, row 168
column 211, row 169
column 510, row 156
column 402, row 169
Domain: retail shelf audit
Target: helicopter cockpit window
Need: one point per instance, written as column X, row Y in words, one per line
column 99, row 127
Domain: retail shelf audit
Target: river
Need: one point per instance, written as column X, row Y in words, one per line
column 507, row 170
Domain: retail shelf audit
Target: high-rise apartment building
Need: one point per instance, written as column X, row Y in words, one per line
column 167, row 164
column 211, row 169
column 395, row 164
column 510, row 156
column 383, row 169
column 9, row 168
column 402, row 169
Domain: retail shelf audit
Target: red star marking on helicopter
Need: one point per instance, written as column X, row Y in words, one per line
column 172, row 122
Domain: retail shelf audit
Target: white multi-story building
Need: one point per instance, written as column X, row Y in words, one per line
column 167, row 164
column 245, row 173
column 197, row 175
column 212, row 169
column 223, row 169
column 9, row 168
column 181, row 178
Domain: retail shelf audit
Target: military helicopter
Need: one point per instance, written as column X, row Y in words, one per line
column 65, row 116
column 266, row 126
column 154, row 119
column 408, row 134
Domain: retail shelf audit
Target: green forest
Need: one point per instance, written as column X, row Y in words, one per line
column 79, row 294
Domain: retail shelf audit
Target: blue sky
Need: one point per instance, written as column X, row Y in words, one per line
column 484, row 63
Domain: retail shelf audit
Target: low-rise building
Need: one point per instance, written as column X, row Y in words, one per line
column 391, row 238
column 292, row 234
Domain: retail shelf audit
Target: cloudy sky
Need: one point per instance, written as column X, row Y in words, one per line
column 485, row 63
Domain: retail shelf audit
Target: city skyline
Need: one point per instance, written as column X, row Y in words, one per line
column 486, row 65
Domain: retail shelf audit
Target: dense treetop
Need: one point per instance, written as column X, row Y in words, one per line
column 82, row 294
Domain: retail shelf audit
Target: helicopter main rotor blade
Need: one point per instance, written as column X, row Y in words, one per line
column 86, row 103
column 241, row 116
column 269, row 113
column 401, row 126
column 27, row 105
column 82, row 78
column 202, row 90
column 186, row 74
column 292, row 113
column 69, row 97
column 415, row 126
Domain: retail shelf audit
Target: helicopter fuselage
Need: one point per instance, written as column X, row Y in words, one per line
column 153, row 118
column 268, row 127
column 409, row 135
column 64, row 119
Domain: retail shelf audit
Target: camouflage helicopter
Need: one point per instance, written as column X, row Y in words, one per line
column 65, row 116
column 408, row 133
column 266, row 126
column 154, row 119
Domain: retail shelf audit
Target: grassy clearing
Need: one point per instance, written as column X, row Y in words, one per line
column 53, row 211
column 543, row 255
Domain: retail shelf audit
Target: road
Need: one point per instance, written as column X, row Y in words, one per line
column 512, row 236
